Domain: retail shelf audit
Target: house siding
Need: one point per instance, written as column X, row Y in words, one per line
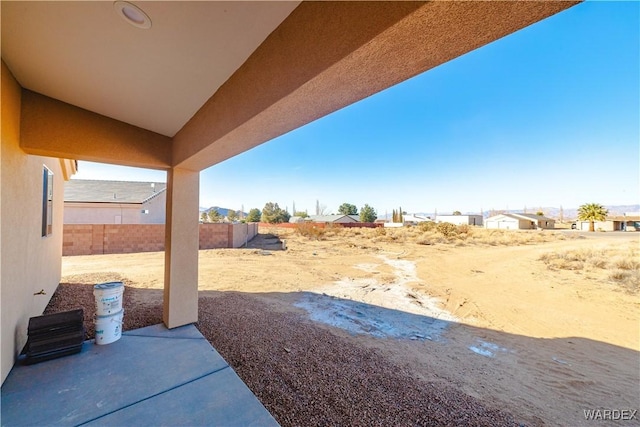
column 30, row 263
column 93, row 213
column 117, row 213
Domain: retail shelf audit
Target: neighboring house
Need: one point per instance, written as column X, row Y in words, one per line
column 519, row 221
column 627, row 222
column 414, row 218
column 297, row 219
column 214, row 92
column 334, row 219
column 460, row 219
column 114, row 202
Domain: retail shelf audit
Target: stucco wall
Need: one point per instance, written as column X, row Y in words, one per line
column 157, row 208
column 242, row 233
column 460, row 219
column 95, row 213
column 29, row 262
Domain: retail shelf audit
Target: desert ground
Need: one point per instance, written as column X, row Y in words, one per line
column 532, row 328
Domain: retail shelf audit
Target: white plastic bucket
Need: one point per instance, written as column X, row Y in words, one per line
column 108, row 298
column 109, row 328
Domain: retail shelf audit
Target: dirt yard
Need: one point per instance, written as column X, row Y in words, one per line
column 543, row 326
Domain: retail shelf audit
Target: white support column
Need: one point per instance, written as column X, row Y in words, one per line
column 181, row 248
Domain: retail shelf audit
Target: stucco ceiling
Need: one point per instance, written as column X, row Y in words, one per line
column 85, row 54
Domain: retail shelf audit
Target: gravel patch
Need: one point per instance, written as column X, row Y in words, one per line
column 302, row 373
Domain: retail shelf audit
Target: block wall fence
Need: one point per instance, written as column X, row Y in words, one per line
column 94, row 239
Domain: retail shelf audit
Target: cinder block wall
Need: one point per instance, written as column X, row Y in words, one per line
column 77, row 239
column 215, row 235
column 94, row 239
column 131, row 238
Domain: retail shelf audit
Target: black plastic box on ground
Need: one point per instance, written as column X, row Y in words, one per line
column 54, row 335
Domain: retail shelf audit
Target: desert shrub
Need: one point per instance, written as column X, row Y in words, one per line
column 627, row 279
column 427, row 226
column 447, row 229
column 311, row 231
column 615, row 264
column 619, row 275
column 627, row 264
column 334, row 229
column 599, row 263
column 430, row 238
column 465, row 229
column 380, row 231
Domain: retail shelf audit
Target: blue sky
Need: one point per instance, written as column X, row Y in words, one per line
column 547, row 116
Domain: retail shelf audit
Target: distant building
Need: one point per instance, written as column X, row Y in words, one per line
column 297, row 219
column 630, row 221
column 520, row 221
column 460, row 219
column 415, row 218
column 334, row 219
column 114, row 202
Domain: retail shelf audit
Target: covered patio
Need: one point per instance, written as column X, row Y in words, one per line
column 178, row 87
column 150, row 376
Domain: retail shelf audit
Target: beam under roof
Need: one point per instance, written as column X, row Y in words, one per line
column 56, row 129
column 327, row 55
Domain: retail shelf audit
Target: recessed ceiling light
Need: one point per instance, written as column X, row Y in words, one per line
column 132, row 14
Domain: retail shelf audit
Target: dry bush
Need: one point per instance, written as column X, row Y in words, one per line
column 447, row 229
column 334, row 229
column 465, row 229
column 627, row 279
column 616, row 265
column 627, row 264
column 310, row 231
column 430, row 238
column 578, row 259
column 427, row 226
column 430, row 233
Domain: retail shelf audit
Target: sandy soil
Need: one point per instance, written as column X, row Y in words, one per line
column 491, row 321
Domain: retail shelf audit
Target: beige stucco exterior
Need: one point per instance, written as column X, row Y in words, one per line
column 460, row 219
column 30, row 266
column 150, row 212
column 309, row 66
column 507, row 223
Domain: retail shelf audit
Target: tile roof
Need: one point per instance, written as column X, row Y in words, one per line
column 89, row 190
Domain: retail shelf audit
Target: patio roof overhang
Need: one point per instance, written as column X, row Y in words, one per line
column 301, row 63
column 210, row 80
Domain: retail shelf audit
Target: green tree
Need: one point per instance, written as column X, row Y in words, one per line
column 368, row 214
column 457, row 213
column 254, row 215
column 348, row 209
column 539, row 213
column 232, row 215
column 592, row 212
column 214, row 215
column 272, row 213
column 204, row 217
column 301, row 214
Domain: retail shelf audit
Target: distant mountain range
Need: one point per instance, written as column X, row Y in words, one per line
column 221, row 211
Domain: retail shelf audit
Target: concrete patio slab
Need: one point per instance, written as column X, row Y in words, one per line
column 151, row 376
